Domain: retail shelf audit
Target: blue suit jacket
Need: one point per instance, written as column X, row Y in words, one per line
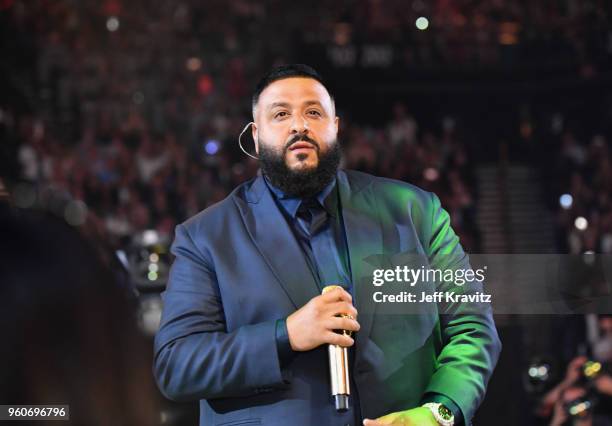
column 238, row 269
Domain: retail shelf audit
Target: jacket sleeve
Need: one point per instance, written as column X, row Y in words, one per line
column 195, row 356
column 471, row 344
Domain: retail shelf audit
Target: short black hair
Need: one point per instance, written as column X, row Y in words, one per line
column 287, row 71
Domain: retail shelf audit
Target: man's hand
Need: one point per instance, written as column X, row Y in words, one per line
column 312, row 325
column 574, row 371
column 559, row 416
column 416, row 417
column 604, row 384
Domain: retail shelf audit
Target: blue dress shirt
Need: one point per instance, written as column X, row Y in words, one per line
column 326, row 251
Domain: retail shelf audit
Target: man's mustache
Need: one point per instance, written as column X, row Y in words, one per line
column 301, row 138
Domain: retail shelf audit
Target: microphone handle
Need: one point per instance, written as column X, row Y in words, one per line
column 339, row 372
column 339, row 368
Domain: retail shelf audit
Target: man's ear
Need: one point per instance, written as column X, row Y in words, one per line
column 337, row 124
column 255, row 134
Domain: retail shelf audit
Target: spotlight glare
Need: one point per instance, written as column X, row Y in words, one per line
column 566, row 201
column 193, row 64
column 211, row 147
column 422, row 23
column 431, row 174
column 112, row 24
column 150, row 237
column 581, row 223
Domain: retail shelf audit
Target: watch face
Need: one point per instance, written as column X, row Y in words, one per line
column 444, row 412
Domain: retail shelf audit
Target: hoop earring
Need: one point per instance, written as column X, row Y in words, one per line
column 240, row 141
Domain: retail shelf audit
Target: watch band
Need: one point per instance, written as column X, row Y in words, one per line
column 441, row 413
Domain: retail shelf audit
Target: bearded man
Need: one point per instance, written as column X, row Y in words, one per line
column 245, row 327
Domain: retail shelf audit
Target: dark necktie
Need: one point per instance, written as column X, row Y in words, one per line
column 312, row 219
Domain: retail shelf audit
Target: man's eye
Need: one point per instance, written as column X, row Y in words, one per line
column 314, row 112
column 280, row 114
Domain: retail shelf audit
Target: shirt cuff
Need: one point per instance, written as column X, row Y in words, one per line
column 448, row 403
column 285, row 353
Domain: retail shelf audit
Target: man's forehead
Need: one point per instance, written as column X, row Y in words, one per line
column 294, row 90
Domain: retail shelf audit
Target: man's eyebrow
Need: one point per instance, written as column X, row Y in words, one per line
column 286, row 104
column 278, row 104
column 308, row 103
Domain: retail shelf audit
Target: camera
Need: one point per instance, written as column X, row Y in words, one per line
column 591, row 370
column 583, row 405
column 580, row 407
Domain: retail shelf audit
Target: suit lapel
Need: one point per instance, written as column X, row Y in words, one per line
column 364, row 237
column 274, row 239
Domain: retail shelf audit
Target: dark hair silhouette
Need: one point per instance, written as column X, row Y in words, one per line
column 287, row 71
column 70, row 332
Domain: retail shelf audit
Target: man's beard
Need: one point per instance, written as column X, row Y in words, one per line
column 299, row 183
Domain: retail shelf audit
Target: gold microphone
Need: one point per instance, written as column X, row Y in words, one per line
column 338, row 367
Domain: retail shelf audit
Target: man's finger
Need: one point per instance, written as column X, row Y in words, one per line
column 338, row 323
column 338, row 339
column 369, row 422
column 340, row 308
column 337, row 294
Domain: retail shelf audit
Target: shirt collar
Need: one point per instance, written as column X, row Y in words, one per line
column 326, row 198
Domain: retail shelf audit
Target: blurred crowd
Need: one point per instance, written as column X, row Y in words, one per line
column 139, row 113
column 571, row 150
column 134, row 109
column 583, row 396
column 136, row 181
column 470, row 32
column 585, row 194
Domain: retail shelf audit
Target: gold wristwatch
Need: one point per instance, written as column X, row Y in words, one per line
column 441, row 413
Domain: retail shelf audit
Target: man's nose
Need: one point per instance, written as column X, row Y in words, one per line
column 299, row 125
